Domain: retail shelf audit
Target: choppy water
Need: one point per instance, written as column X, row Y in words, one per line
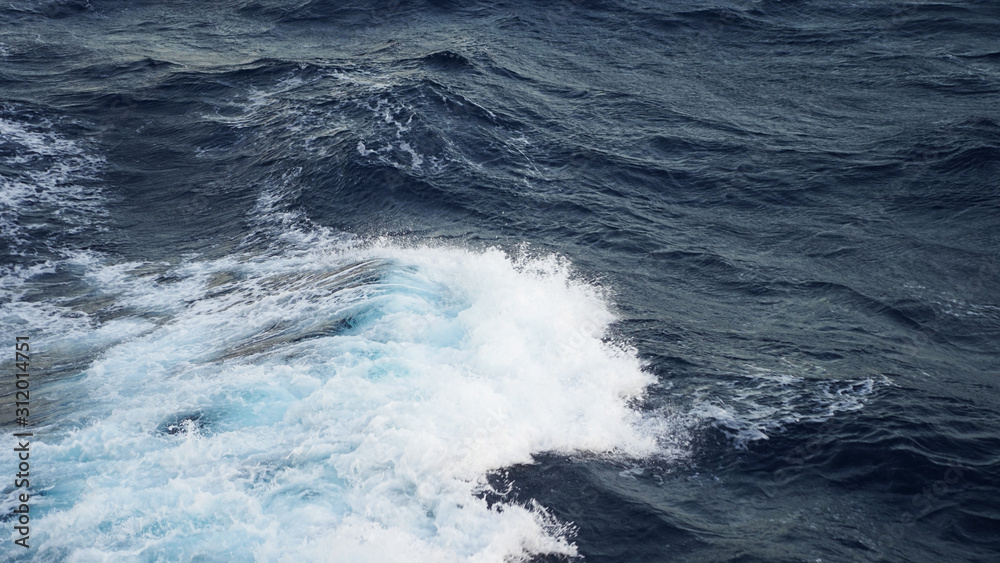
column 498, row 281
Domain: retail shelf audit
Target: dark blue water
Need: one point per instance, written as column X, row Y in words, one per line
column 503, row 281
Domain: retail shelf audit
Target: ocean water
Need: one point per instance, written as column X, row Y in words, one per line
column 585, row 280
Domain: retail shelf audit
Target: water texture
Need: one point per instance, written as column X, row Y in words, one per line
column 501, row 281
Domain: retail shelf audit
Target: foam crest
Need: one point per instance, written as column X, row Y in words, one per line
column 343, row 404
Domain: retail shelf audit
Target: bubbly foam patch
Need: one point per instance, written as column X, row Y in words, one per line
column 757, row 403
column 43, row 176
column 331, row 405
column 48, row 194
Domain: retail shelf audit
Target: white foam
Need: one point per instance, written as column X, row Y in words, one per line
column 339, row 404
column 757, row 403
column 46, row 192
column 51, row 171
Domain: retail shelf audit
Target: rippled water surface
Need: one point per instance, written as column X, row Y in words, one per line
column 503, row 281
